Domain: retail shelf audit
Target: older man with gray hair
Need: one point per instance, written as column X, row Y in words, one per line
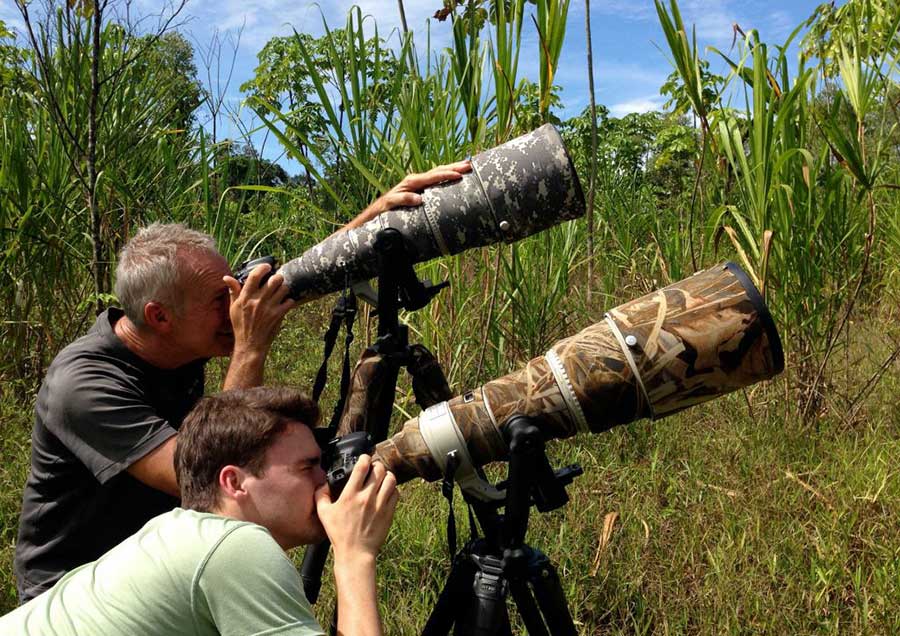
column 109, row 409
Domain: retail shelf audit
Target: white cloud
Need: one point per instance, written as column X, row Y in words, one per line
column 262, row 20
column 780, row 25
column 633, row 73
column 638, row 105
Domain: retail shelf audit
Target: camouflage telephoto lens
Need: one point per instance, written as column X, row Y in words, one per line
column 514, row 190
column 688, row 343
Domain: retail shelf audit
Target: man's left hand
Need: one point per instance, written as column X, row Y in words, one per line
column 407, row 193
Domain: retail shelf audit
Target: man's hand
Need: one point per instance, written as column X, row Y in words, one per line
column 358, row 522
column 407, row 192
column 256, row 313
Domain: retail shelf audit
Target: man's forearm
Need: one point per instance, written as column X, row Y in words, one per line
column 245, row 370
column 357, row 597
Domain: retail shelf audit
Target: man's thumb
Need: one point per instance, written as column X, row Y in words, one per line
column 323, row 496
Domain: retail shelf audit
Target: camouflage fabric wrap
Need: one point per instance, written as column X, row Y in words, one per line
column 371, row 376
column 514, row 190
column 695, row 340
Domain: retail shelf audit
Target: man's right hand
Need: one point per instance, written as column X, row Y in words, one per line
column 256, row 312
column 358, row 522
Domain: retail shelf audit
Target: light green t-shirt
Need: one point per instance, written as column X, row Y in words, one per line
column 184, row 572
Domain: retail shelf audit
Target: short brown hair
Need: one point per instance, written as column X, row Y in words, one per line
column 234, row 427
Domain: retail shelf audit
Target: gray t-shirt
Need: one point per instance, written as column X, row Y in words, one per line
column 100, row 409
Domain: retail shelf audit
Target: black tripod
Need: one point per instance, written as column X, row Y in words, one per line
column 489, row 568
column 367, row 399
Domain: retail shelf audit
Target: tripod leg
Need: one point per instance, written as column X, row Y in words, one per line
column 528, row 610
column 487, row 614
column 456, row 593
column 550, row 597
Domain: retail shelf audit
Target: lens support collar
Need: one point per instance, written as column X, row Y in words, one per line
column 443, row 438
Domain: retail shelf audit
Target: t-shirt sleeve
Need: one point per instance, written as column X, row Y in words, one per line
column 248, row 586
column 103, row 419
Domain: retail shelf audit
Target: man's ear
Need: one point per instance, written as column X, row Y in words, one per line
column 231, row 482
column 157, row 317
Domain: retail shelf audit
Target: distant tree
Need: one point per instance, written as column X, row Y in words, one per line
column 103, row 99
column 653, row 149
column 13, row 60
column 870, row 26
column 528, row 109
column 242, row 165
column 284, row 79
column 171, row 57
column 679, row 99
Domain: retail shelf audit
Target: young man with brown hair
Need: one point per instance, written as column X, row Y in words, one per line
column 252, row 487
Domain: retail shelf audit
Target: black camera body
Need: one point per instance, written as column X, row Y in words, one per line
column 244, row 269
column 341, row 456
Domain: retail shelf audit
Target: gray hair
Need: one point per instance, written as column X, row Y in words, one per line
column 148, row 268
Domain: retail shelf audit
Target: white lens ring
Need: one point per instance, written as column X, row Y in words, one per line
column 431, row 219
column 442, row 436
column 567, row 390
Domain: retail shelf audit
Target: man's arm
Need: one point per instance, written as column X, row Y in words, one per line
column 157, row 468
column 357, row 525
column 406, row 193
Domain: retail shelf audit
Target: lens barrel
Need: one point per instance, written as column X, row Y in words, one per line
column 688, row 343
column 514, row 190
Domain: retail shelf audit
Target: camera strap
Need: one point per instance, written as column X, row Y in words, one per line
column 447, row 490
column 447, row 487
column 344, row 311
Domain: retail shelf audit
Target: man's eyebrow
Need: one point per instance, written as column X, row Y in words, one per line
column 309, row 461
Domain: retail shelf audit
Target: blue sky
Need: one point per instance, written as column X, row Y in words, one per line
column 629, row 65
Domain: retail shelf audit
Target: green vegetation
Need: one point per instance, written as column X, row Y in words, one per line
column 774, row 510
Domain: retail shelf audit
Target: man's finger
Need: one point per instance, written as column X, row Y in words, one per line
column 282, row 293
column 376, row 476
column 460, row 166
column 359, row 473
column 401, row 199
column 432, row 177
column 274, row 285
column 388, row 489
column 256, row 275
column 322, row 495
column 234, row 287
